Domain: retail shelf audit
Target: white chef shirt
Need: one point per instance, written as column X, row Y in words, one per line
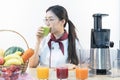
column 55, row 57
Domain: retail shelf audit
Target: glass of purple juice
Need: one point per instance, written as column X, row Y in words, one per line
column 62, row 73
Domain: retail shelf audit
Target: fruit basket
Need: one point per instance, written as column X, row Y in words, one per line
column 22, row 66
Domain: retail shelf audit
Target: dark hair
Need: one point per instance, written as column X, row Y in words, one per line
column 61, row 13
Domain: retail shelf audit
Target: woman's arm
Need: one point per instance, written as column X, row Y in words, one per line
column 34, row 60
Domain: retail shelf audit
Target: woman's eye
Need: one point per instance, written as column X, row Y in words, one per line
column 51, row 19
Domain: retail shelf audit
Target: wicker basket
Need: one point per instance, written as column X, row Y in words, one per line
column 24, row 66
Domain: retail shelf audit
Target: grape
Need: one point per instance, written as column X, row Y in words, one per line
column 11, row 73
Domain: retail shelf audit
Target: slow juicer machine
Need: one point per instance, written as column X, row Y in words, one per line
column 100, row 43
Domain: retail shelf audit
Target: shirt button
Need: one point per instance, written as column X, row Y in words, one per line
column 52, row 47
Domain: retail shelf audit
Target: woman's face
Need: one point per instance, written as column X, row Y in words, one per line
column 56, row 25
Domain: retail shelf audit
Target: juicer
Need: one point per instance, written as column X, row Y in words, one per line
column 100, row 43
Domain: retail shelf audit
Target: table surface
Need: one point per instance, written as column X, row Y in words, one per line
column 52, row 75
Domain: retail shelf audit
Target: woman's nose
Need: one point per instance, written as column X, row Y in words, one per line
column 47, row 23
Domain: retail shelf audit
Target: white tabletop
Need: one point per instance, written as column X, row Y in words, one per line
column 52, row 75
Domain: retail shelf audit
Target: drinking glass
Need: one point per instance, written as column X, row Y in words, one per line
column 46, row 30
column 115, row 63
column 81, row 73
column 43, row 73
column 116, row 68
column 62, row 73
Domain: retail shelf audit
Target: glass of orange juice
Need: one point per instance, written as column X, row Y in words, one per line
column 43, row 73
column 81, row 73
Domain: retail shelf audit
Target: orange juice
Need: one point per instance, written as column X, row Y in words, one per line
column 42, row 72
column 82, row 73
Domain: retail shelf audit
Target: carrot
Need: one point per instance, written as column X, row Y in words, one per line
column 27, row 54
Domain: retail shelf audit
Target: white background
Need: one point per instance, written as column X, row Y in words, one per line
column 25, row 16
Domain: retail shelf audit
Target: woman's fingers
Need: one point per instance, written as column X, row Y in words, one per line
column 39, row 33
column 71, row 66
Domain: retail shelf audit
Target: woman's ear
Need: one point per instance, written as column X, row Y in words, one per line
column 63, row 21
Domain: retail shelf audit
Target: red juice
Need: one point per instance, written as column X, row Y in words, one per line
column 62, row 72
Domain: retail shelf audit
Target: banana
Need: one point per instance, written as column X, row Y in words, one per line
column 13, row 56
column 12, row 61
column 22, row 62
column 18, row 53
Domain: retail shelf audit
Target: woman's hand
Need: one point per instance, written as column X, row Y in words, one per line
column 39, row 33
column 68, row 65
column 71, row 66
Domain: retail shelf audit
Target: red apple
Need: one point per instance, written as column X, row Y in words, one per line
column 2, row 60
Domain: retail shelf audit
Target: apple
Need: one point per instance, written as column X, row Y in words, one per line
column 2, row 60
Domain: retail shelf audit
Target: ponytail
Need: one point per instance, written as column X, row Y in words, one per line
column 72, row 56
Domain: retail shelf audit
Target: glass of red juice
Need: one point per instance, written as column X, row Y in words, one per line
column 62, row 72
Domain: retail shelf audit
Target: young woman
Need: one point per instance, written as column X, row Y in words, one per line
column 60, row 46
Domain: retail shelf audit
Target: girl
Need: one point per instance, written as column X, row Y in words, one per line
column 59, row 47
